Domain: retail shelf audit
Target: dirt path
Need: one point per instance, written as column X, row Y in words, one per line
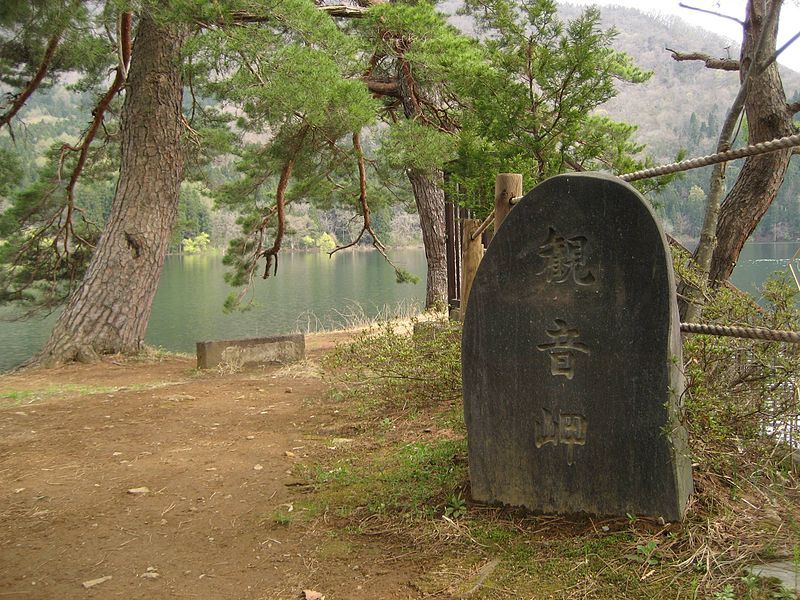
column 218, row 455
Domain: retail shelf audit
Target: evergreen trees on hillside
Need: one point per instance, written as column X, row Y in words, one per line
column 303, row 82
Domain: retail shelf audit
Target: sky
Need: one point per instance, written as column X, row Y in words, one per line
column 789, row 23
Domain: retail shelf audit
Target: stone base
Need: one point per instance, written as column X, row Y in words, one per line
column 784, row 571
column 252, row 351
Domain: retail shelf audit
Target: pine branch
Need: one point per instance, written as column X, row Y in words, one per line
column 99, row 114
column 246, row 18
column 344, row 11
column 33, row 84
column 383, row 88
column 365, row 211
column 723, row 64
column 280, row 204
column 362, row 181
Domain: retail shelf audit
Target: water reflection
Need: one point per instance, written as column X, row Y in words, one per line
column 310, row 291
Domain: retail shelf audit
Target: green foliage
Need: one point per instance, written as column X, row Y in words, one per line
column 292, row 79
column 197, row 244
column 403, row 276
column 325, row 242
column 646, row 554
column 387, row 367
column 727, row 593
column 417, row 480
column 435, row 67
column 10, row 171
column 194, row 217
column 739, row 391
column 532, row 114
column 28, row 26
column 413, row 145
column 282, row 518
column 44, row 254
column 456, row 506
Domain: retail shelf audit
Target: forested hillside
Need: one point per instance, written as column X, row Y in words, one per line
column 59, row 114
column 680, row 108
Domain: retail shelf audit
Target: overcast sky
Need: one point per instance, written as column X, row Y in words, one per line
column 789, row 24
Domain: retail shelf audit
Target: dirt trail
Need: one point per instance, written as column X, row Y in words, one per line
column 219, row 455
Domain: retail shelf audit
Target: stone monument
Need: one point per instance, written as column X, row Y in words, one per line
column 571, row 357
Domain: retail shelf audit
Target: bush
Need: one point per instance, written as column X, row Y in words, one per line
column 196, row 245
column 387, row 367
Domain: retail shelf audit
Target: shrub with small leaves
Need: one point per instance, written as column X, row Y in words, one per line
column 390, row 367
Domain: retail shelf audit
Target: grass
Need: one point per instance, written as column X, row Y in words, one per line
column 18, row 397
column 405, row 478
column 11, row 397
column 354, row 316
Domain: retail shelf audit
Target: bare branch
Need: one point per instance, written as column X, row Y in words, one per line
column 711, row 12
column 724, row 64
column 22, row 97
column 247, row 18
column 383, row 88
column 574, row 164
column 793, row 108
column 780, row 50
column 124, row 43
column 367, row 226
column 344, row 11
column 280, row 204
column 99, row 114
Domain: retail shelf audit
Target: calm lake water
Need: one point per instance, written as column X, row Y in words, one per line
column 311, row 291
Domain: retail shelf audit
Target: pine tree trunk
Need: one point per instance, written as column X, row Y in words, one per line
column 761, row 176
column 109, row 311
column 429, row 196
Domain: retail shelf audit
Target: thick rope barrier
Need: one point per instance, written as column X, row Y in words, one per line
column 753, row 333
column 783, row 143
column 483, row 226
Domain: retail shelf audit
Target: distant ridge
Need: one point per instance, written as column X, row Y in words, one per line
column 662, row 106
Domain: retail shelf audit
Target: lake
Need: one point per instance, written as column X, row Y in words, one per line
column 310, row 292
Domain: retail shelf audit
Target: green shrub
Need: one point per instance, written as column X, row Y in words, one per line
column 389, row 368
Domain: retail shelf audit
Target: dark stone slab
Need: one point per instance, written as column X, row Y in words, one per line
column 252, row 351
column 571, row 354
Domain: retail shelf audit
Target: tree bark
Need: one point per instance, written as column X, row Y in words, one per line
column 110, row 309
column 757, row 185
column 429, row 196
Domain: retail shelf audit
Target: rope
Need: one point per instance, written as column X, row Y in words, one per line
column 482, row 227
column 488, row 221
column 753, row 333
column 784, row 143
column 695, row 163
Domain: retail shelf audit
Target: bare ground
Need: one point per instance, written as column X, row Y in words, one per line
column 218, row 455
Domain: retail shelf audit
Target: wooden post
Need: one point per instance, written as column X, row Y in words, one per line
column 506, row 187
column 472, row 253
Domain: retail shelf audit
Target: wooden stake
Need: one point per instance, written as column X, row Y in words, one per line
column 472, row 253
column 506, row 187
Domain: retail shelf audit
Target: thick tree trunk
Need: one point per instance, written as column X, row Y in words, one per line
column 429, row 196
column 109, row 311
column 761, row 177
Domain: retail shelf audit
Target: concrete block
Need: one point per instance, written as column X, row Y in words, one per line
column 251, row 351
